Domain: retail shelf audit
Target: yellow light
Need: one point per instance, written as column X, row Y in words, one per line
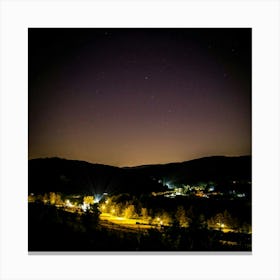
column 106, row 201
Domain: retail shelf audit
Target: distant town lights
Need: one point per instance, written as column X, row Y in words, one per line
column 85, row 206
column 68, row 203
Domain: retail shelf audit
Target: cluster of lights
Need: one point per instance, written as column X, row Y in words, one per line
column 221, row 225
column 68, row 203
column 159, row 221
column 85, row 206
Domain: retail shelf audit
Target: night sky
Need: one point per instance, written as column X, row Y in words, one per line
column 128, row 97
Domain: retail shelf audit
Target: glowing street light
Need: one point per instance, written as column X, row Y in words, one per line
column 221, row 225
column 84, row 207
column 68, row 203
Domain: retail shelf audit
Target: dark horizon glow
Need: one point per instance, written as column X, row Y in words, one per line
column 128, row 97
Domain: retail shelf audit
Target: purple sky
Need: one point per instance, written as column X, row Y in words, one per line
column 129, row 97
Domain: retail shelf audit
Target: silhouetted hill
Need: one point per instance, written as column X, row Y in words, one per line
column 72, row 176
column 215, row 168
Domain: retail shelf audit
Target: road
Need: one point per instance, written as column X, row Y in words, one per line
column 122, row 223
column 132, row 224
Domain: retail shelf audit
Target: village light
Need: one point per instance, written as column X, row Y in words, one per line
column 68, row 203
column 84, row 207
column 97, row 198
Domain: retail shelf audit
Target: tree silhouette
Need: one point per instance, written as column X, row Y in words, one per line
column 129, row 211
column 181, row 217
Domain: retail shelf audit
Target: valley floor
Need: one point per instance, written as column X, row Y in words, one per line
column 53, row 229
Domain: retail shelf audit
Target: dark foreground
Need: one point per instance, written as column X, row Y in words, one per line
column 53, row 229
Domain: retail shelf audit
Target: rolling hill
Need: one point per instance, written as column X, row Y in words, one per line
column 73, row 176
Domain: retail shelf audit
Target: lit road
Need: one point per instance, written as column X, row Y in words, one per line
column 125, row 222
column 121, row 223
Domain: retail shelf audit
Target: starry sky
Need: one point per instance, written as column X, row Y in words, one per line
column 128, row 97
